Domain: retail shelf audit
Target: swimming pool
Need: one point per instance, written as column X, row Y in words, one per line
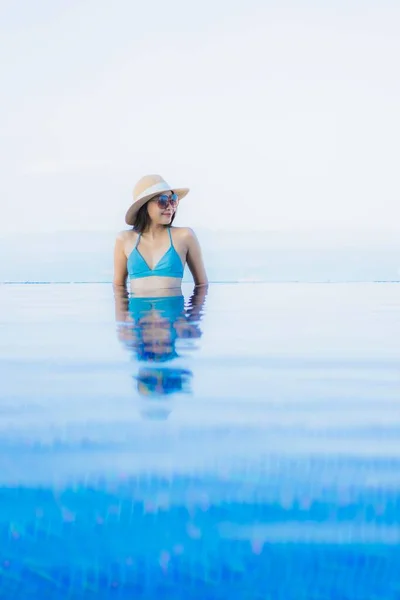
column 245, row 447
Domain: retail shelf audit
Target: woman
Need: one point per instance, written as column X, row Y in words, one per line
column 153, row 254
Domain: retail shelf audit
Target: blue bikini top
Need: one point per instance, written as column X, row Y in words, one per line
column 169, row 265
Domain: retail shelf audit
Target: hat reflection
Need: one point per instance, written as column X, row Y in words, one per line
column 156, row 386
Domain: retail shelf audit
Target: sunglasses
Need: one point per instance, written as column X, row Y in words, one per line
column 163, row 200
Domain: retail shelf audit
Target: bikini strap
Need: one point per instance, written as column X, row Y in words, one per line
column 138, row 240
column 170, row 236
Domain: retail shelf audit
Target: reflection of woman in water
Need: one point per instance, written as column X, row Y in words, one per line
column 152, row 255
column 151, row 329
column 152, row 332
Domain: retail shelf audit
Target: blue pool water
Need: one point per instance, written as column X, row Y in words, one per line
column 242, row 445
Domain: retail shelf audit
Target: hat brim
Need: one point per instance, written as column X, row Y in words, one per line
column 136, row 206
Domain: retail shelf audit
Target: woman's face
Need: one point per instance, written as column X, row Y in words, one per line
column 162, row 208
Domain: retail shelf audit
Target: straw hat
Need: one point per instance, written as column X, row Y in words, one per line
column 147, row 188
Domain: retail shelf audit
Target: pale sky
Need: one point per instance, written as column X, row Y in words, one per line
column 277, row 114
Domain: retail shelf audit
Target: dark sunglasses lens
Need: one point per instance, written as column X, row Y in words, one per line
column 162, row 202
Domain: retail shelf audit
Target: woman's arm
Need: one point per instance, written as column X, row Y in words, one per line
column 194, row 311
column 121, row 300
column 194, row 259
column 125, row 330
column 189, row 327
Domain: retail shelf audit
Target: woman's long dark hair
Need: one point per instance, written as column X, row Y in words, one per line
column 142, row 219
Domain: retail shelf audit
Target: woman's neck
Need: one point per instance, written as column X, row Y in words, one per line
column 154, row 231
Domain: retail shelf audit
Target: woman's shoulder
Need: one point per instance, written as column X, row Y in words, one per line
column 183, row 232
column 126, row 239
column 126, row 234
